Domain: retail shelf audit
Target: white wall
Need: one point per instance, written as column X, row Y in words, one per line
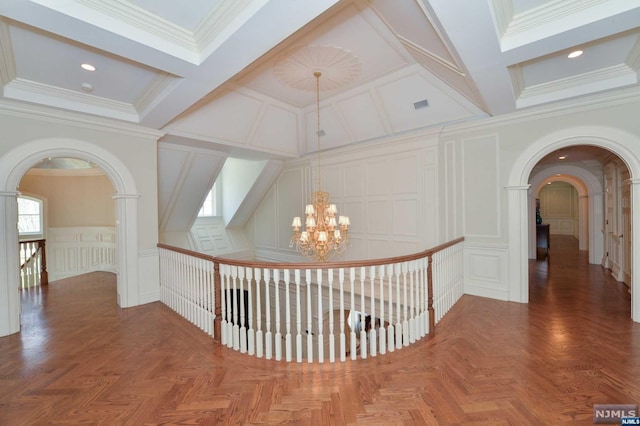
column 390, row 192
column 559, row 208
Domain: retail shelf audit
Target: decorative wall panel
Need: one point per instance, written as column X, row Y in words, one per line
column 79, row 250
column 481, row 198
column 485, row 271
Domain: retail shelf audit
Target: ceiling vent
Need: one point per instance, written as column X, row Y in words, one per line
column 421, row 104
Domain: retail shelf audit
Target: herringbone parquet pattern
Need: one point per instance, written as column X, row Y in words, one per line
column 81, row 360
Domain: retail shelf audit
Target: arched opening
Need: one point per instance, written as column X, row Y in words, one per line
column 13, row 166
column 588, row 184
column 80, row 215
column 613, row 140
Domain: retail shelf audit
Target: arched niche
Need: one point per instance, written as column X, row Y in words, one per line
column 13, row 165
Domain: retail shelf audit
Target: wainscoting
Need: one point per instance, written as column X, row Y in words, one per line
column 78, row 250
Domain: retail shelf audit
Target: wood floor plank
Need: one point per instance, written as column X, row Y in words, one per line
column 81, row 360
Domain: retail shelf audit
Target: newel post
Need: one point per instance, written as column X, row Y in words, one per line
column 44, row 275
column 432, row 315
column 217, row 320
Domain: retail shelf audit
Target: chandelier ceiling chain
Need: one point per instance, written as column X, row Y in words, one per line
column 323, row 236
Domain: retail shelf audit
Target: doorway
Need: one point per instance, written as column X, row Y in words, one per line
column 13, row 166
column 518, row 189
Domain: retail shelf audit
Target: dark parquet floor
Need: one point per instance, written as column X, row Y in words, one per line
column 81, row 360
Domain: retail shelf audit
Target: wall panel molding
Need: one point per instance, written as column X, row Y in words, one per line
column 79, row 250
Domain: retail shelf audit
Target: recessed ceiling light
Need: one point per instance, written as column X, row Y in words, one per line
column 548, row 183
column 87, row 87
column 88, row 67
column 575, row 54
column 562, row 157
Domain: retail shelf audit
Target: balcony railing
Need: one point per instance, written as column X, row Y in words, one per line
column 33, row 263
column 313, row 311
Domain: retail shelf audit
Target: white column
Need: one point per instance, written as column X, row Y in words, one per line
column 596, row 228
column 583, row 225
column 635, row 255
column 517, row 243
column 9, row 264
column 127, row 249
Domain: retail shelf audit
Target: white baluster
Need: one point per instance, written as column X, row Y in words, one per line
column 234, row 308
column 381, row 331
column 397, row 271
column 307, row 274
column 259, row 336
column 391, row 328
column 224, row 310
column 332, row 342
column 405, row 303
column 251, row 334
column 363, row 312
column 287, row 318
column 343, row 341
column 278, row 340
column 320, row 318
column 373, row 341
column 243, row 312
column 268, row 339
column 298, row 318
column 412, row 300
column 352, row 316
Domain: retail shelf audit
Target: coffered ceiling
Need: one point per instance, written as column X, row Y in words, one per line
column 237, row 75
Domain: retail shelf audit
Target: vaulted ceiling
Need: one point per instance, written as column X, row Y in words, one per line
column 237, row 76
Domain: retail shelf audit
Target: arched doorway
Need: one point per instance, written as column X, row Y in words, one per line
column 590, row 208
column 614, row 140
column 78, row 217
column 13, row 165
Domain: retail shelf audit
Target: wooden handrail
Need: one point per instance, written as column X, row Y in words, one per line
column 41, row 251
column 314, row 265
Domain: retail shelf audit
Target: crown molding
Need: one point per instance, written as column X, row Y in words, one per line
column 597, row 101
column 7, row 64
column 134, row 23
column 19, row 109
column 153, row 93
column 31, row 91
column 222, row 21
column 603, row 79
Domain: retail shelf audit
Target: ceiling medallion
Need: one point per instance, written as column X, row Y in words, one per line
column 339, row 67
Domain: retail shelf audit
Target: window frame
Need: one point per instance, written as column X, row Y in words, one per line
column 40, row 215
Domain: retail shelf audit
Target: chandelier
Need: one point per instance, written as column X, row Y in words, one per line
column 323, row 235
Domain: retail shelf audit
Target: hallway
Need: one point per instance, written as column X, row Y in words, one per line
column 81, row 359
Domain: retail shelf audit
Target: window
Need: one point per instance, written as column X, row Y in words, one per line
column 210, row 205
column 29, row 216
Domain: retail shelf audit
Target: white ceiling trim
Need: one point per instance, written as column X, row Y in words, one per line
column 557, row 17
column 31, row 91
column 411, row 46
column 70, row 118
column 604, row 79
column 228, row 145
column 161, row 85
column 222, row 22
column 134, row 23
column 7, row 64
